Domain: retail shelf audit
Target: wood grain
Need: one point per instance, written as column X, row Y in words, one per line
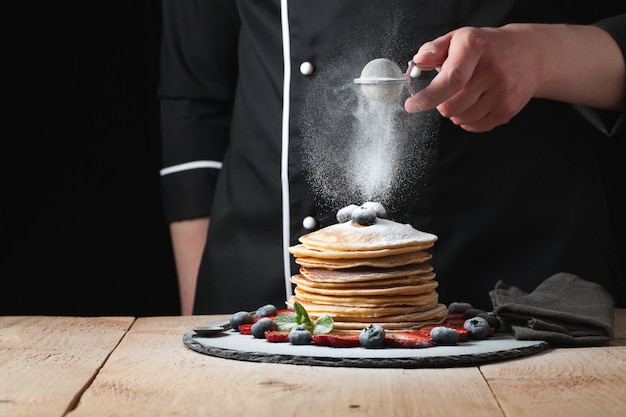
column 562, row 382
column 164, row 378
column 47, row 362
column 119, row 366
column 565, row 381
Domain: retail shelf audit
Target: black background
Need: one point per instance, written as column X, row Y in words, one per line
column 82, row 229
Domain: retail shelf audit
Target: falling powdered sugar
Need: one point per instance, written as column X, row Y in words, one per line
column 374, row 161
column 355, row 149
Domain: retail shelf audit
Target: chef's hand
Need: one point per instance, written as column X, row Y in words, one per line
column 489, row 74
column 484, row 81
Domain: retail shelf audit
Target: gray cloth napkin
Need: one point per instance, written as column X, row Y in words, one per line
column 563, row 310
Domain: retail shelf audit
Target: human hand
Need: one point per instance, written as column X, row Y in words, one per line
column 487, row 76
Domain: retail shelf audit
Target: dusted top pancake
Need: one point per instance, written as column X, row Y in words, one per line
column 383, row 234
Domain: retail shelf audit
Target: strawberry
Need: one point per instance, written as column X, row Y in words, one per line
column 463, row 334
column 321, row 339
column 407, row 340
column 245, row 328
column 337, row 340
column 276, row 336
column 285, row 310
column 425, row 332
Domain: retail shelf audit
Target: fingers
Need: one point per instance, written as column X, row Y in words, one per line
column 445, row 85
column 488, row 111
column 482, row 82
column 459, row 61
column 432, row 54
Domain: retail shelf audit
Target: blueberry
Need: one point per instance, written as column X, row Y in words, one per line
column 261, row 326
column 443, row 335
column 364, row 216
column 240, row 317
column 491, row 319
column 344, row 214
column 372, row 336
column 472, row 312
column 478, row 327
column 299, row 336
column 459, row 307
column 378, row 208
column 266, row 310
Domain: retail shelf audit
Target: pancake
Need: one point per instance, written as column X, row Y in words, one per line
column 385, row 283
column 380, row 262
column 365, row 274
column 414, row 300
column 384, row 288
column 359, row 318
column 432, row 318
column 413, row 321
column 350, row 236
column 435, row 313
column 304, row 252
column 366, row 313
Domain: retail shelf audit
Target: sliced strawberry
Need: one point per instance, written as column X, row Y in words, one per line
column 425, row 332
column 321, row 339
column 285, row 310
column 245, row 328
column 276, row 336
column 407, row 340
column 463, row 333
column 337, row 340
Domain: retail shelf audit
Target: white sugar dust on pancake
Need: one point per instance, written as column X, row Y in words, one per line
column 367, row 269
column 382, row 234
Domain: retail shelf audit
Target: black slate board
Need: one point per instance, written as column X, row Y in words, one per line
column 233, row 345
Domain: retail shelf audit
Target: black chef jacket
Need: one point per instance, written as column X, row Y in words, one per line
column 252, row 148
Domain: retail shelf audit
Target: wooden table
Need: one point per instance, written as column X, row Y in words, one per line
column 126, row 366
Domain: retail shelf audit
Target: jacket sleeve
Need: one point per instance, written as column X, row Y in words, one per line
column 610, row 123
column 198, row 72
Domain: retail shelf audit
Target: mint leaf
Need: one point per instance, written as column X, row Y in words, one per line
column 323, row 324
column 302, row 317
column 285, row 321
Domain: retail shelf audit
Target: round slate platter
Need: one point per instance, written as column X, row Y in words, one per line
column 233, row 345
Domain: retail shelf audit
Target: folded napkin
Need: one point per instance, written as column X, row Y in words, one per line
column 563, row 310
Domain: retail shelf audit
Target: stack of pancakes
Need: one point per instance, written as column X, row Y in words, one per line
column 361, row 275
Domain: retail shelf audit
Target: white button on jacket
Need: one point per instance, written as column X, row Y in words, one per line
column 306, row 68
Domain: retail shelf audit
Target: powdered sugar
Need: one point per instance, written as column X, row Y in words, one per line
column 355, row 149
column 387, row 233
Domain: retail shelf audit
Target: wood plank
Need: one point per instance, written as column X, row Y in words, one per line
column 565, row 381
column 153, row 373
column 46, row 362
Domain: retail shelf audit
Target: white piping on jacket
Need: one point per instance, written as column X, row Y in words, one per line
column 190, row 165
column 284, row 168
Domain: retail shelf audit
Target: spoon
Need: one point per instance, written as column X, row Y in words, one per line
column 212, row 328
